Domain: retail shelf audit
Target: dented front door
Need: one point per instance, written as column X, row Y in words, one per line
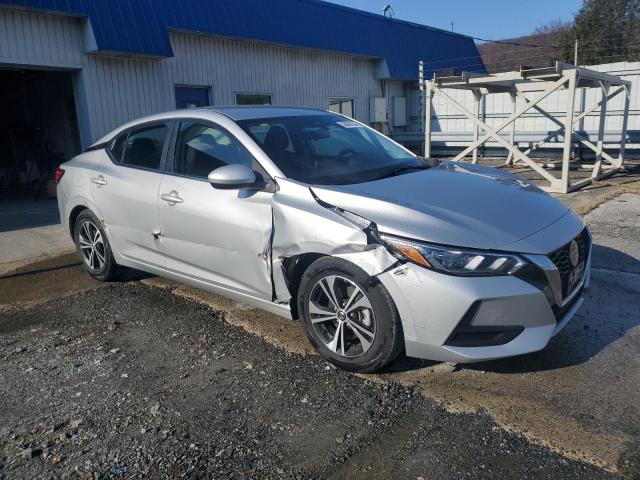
column 219, row 236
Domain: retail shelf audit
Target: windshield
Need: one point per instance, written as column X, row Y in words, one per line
column 329, row 149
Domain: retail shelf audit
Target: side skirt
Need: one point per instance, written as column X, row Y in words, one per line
column 282, row 310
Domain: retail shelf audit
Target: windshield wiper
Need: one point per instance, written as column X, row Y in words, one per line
column 402, row 168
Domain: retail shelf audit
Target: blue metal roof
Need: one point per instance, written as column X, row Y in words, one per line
column 140, row 27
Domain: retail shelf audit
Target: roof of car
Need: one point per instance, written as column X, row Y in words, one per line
column 239, row 112
column 234, row 112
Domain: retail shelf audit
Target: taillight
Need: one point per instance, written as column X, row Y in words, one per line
column 58, row 175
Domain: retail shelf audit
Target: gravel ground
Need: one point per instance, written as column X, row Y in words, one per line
column 130, row 381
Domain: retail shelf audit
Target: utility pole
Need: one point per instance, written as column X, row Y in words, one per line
column 575, row 53
column 452, row 26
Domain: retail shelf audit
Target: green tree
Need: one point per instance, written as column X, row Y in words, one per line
column 607, row 31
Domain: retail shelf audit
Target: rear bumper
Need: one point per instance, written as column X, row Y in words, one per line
column 434, row 308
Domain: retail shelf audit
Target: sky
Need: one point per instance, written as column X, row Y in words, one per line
column 490, row 19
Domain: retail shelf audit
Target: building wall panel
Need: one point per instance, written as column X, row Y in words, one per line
column 111, row 90
column 28, row 38
column 121, row 89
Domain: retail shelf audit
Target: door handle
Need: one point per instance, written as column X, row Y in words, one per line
column 99, row 180
column 171, row 198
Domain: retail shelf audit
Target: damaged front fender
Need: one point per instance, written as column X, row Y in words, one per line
column 301, row 225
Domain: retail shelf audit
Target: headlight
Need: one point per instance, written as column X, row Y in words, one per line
column 453, row 260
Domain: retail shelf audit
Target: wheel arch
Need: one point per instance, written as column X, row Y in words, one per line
column 73, row 216
column 294, row 268
column 372, row 262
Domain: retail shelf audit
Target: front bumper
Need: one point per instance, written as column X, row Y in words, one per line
column 433, row 306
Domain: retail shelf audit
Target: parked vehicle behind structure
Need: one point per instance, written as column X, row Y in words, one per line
column 311, row 215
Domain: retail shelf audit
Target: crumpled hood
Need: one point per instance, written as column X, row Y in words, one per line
column 453, row 204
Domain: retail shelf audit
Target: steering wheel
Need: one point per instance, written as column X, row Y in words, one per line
column 347, row 153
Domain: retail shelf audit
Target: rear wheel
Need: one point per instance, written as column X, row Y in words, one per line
column 93, row 247
column 349, row 317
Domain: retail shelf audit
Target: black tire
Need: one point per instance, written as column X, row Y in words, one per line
column 103, row 271
column 388, row 341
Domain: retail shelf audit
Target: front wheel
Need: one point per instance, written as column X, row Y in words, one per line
column 93, row 247
column 349, row 317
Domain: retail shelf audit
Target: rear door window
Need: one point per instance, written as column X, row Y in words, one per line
column 143, row 147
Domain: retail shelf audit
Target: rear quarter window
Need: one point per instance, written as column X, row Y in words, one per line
column 117, row 147
column 140, row 146
column 144, row 146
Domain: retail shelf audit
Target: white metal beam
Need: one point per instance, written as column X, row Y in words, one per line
column 477, row 99
column 554, row 86
column 578, row 118
column 512, row 133
column 546, row 81
column 625, row 123
column 568, row 129
column 428, row 100
column 491, row 133
column 604, row 87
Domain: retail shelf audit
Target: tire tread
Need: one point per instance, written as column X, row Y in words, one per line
column 389, row 350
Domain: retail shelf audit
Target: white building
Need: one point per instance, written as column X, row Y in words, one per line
column 70, row 71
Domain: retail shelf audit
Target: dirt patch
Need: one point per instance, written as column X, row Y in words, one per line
column 131, row 382
column 44, row 280
column 278, row 331
column 584, row 201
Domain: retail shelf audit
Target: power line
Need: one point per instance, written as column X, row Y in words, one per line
column 487, row 58
column 592, row 42
column 467, row 58
column 506, row 42
column 518, row 44
column 489, row 66
column 621, row 36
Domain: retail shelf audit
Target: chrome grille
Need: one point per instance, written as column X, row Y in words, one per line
column 562, row 261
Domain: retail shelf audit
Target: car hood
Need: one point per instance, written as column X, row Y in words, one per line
column 453, row 204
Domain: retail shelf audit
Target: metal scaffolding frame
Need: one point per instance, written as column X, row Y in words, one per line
column 543, row 82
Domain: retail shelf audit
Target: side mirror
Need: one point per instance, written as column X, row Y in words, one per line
column 232, row 177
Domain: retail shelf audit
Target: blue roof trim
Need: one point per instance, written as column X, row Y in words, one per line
column 140, row 27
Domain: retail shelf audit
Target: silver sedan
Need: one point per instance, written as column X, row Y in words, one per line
column 314, row 216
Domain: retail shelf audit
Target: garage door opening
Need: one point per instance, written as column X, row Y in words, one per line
column 38, row 131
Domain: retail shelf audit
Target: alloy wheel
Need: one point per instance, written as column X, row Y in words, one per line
column 92, row 246
column 342, row 316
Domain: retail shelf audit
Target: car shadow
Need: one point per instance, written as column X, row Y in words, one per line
column 599, row 322
column 132, row 275
column 70, row 261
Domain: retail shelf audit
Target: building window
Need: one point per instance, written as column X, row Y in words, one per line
column 253, row 99
column 191, row 96
column 341, row 105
